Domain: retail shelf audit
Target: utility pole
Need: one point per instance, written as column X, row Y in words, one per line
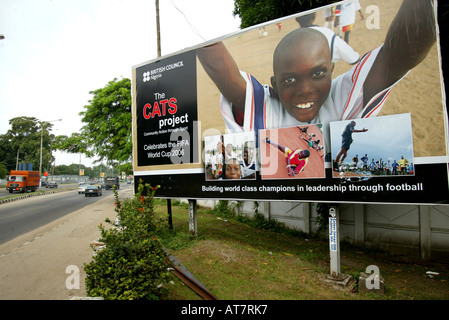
column 158, row 30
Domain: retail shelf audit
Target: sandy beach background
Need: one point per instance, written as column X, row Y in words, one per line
column 419, row 93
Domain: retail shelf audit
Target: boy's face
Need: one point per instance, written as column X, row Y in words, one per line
column 232, row 170
column 302, row 154
column 302, row 78
column 246, row 155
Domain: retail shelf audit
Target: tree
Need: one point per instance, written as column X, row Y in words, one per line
column 72, row 169
column 3, row 170
column 7, row 152
column 127, row 168
column 252, row 12
column 73, row 144
column 22, row 143
column 107, row 123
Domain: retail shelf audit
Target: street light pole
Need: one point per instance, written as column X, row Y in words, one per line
column 40, row 157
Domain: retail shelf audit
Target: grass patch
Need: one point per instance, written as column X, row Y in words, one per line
column 238, row 258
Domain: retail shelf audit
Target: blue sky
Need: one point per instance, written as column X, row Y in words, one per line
column 56, row 51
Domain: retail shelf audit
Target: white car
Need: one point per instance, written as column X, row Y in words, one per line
column 82, row 188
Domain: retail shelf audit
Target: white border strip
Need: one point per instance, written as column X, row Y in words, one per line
column 419, row 160
column 173, row 171
column 431, row 160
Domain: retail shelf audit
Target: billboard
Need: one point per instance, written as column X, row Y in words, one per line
column 300, row 109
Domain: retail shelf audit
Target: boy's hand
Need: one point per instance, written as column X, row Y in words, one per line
column 408, row 41
column 291, row 171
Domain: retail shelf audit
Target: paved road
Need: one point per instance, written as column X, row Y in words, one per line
column 4, row 193
column 34, row 266
column 21, row 216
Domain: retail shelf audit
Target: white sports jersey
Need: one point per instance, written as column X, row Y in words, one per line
column 340, row 50
column 348, row 12
column 248, row 170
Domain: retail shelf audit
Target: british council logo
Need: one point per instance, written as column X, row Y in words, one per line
column 146, row 76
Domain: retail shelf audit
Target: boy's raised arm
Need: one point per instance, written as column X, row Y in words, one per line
column 408, row 41
column 222, row 69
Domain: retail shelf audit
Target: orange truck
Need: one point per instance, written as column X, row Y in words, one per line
column 23, row 181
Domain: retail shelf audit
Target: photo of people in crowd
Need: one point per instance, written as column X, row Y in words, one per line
column 372, row 147
column 230, row 156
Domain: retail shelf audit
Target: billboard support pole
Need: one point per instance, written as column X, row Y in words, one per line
column 193, row 226
column 169, row 212
column 334, row 242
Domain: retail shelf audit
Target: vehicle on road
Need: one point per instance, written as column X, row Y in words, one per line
column 93, row 190
column 51, row 184
column 109, row 182
column 82, row 188
column 23, row 181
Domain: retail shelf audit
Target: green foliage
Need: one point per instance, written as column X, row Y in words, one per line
column 107, row 121
column 322, row 210
column 3, row 170
column 23, row 139
column 127, row 168
column 73, row 144
column 133, row 264
column 222, row 209
column 252, row 12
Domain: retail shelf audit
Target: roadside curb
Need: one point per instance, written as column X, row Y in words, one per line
column 34, row 195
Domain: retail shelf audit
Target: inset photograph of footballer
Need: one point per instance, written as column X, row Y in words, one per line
column 294, row 152
column 381, row 146
column 230, row 156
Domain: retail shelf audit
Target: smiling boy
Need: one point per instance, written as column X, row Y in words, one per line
column 302, row 90
column 232, row 169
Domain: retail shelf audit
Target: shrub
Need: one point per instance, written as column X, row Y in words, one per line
column 133, row 264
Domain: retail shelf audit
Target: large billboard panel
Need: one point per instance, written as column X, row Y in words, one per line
column 301, row 109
